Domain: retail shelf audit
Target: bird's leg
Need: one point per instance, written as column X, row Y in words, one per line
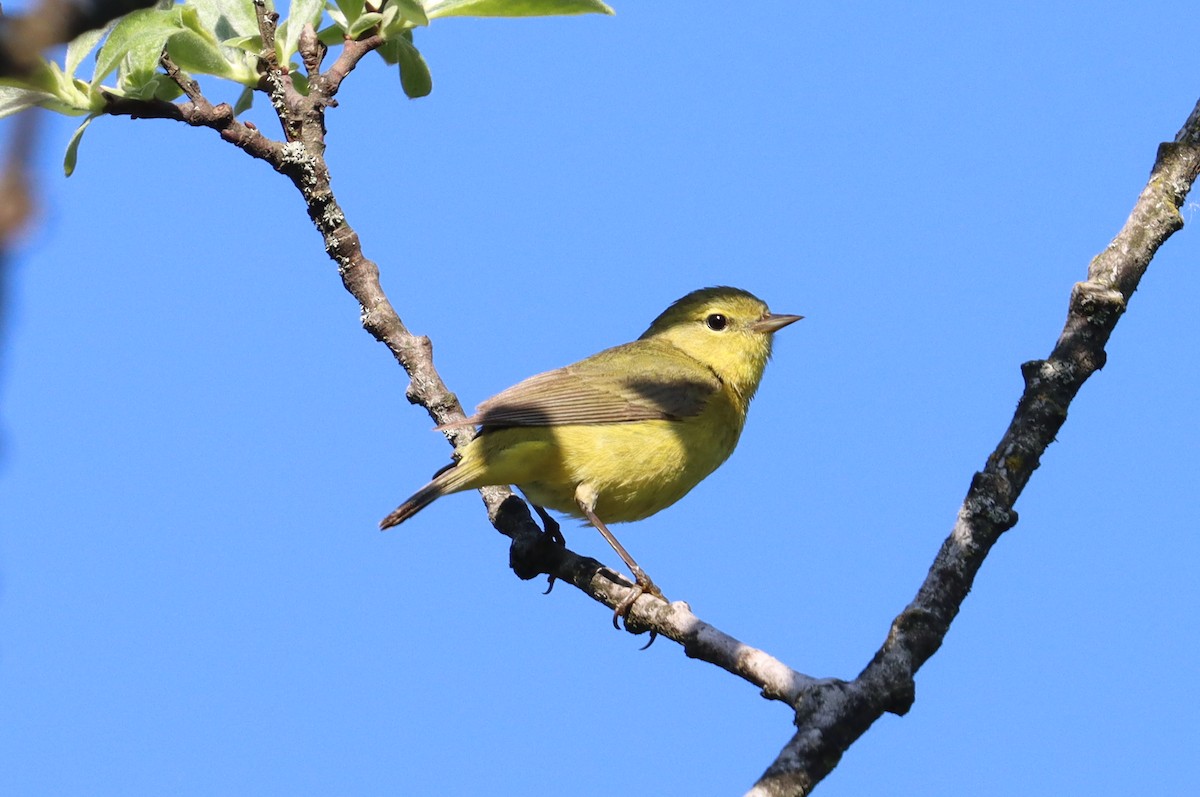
column 554, row 531
column 585, row 497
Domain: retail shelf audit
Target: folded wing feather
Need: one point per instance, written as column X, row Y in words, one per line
column 643, row 380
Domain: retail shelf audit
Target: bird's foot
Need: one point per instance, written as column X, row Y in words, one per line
column 642, row 586
column 553, row 535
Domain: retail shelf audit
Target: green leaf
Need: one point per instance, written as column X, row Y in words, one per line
column 162, row 88
column 135, row 43
column 83, row 44
column 301, row 11
column 412, row 11
column 513, row 8
column 230, row 25
column 351, row 9
column 339, row 19
column 194, row 53
column 244, row 101
column 157, row 87
column 73, row 146
column 249, row 44
column 332, row 36
column 363, row 24
column 43, row 77
column 14, row 99
column 227, row 19
column 48, row 86
column 391, row 16
column 414, row 72
column 141, row 63
column 389, row 51
column 189, row 17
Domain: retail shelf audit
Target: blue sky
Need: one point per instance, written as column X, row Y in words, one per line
column 198, row 438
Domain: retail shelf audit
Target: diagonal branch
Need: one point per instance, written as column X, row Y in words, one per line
column 353, row 51
column 832, row 716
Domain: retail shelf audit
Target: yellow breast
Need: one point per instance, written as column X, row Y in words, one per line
column 636, row 468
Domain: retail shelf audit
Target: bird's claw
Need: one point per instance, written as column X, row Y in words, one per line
column 553, row 532
column 642, row 586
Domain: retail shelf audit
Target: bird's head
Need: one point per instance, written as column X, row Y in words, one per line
column 727, row 329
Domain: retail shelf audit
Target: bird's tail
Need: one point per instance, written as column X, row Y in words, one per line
column 448, row 480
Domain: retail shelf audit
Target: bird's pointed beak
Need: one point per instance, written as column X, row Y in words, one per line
column 773, row 322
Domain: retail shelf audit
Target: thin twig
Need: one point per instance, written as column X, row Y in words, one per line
column 278, row 80
column 189, row 87
column 352, row 53
column 312, row 50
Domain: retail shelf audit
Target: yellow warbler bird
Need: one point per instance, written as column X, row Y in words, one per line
column 627, row 432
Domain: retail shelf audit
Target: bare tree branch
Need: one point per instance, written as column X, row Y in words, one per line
column 831, row 716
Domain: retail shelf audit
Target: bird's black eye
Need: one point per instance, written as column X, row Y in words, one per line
column 716, row 322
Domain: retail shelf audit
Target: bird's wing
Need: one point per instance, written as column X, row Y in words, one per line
column 643, row 380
